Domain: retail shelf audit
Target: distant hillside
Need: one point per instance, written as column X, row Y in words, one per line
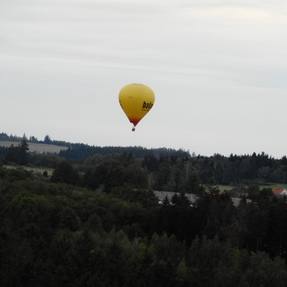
column 37, row 147
column 80, row 151
column 83, row 151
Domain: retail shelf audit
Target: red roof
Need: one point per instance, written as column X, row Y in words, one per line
column 277, row 190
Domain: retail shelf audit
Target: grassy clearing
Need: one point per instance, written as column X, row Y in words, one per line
column 35, row 170
column 37, row 147
column 221, row 187
column 229, row 188
column 273, row 185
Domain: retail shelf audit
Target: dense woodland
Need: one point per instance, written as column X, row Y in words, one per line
column 96, row 221
column 164, row 169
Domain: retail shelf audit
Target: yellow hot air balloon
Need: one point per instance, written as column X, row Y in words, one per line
column 136, row 101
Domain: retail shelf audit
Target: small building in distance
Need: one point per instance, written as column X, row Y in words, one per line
column 279, row 191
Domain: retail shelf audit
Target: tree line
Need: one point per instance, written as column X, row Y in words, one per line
column 158, row 169
column 57, row 234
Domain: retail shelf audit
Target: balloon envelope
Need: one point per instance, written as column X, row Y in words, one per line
column 136, row 101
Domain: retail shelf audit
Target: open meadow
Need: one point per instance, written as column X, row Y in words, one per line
column 37, row 147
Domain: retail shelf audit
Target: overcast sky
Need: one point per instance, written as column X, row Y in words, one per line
column 218, row 69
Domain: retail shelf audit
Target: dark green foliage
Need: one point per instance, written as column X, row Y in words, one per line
column 18, row 154
column 115, row 172
column 58, row 234
column 167, row 169
column 180, row 200
column 82, row 152
column 47, row 140
column 3, row 153
column 6, row 137
column 64, row 172
column 44, row 160
column 240, row 169
column 144, row 197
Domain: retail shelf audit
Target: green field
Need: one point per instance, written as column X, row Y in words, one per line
column 35, row 170
column 273, row 185
column 228, row 188
column 37, row 147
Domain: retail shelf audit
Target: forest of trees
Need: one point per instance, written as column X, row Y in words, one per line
column 167, row 169
column 96, row 221
column 57, row 234
column 31, row 139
